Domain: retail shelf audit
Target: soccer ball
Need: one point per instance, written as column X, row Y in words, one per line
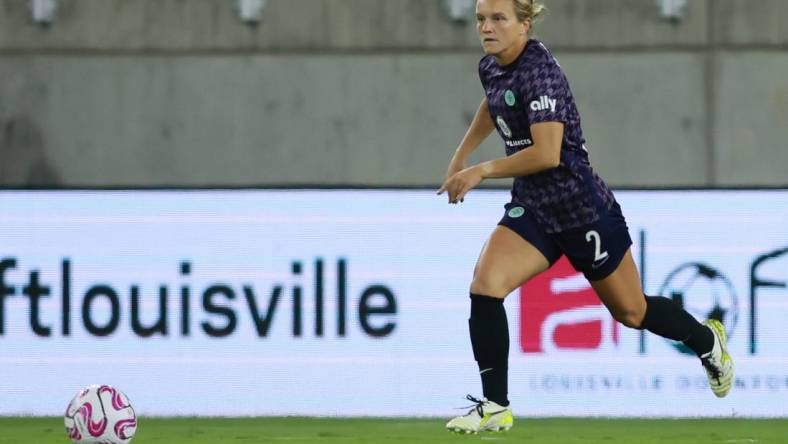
column 100, row 414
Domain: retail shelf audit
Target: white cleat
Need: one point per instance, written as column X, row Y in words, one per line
column 484, row 416
column 718, row 363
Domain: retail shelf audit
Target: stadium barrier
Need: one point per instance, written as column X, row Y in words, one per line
column 354, row 302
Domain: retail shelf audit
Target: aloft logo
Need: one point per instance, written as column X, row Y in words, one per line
column 560, row 311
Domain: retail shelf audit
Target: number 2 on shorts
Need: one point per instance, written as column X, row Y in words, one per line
column 598, row 253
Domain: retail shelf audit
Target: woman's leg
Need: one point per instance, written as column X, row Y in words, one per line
column 622, row 295
column 517, row 250
column 506, row 262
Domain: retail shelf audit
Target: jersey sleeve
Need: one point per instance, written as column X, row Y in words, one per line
column 483, row 72
column 546, row 91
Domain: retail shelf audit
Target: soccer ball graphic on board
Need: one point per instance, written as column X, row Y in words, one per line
column 100, row 414
column 705, row 293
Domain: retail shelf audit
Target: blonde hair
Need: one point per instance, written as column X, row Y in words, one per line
column 528, row 10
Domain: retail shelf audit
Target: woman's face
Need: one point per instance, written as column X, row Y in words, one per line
column 499, row 29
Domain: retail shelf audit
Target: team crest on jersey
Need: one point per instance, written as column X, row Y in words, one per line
column 503, row 126
column 516, row 212
column 509, row 97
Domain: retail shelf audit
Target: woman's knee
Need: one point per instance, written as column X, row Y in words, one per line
column 489, row 285
column 631, row 317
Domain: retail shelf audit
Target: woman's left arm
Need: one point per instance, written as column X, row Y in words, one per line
column 543, row 155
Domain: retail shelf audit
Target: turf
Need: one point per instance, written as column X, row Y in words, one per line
column 339, row 430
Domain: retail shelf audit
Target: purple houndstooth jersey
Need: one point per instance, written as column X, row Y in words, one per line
column 530, row 90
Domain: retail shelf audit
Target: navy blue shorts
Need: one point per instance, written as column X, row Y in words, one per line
column 594, row 250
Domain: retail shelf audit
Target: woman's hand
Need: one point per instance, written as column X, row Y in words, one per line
column 456, row 165
column 459, row 183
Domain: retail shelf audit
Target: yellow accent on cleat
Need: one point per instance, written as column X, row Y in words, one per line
column 718, row 363
column 486, row 416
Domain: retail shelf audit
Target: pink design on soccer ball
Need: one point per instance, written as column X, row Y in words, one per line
column 95, row 428
column 118, row 403
column 117, row 400
column 122, row 425
column 73, row 433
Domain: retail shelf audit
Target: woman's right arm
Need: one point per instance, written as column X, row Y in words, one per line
column 480, row 128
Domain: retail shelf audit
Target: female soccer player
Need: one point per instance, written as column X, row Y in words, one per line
column 559, row 206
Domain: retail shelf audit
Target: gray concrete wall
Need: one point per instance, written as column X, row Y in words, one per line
column 168, row 92
column 752, row 118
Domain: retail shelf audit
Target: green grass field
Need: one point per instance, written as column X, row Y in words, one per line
column 312, row 430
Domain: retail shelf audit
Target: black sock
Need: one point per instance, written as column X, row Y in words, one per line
column 490, row 340
column 667, row 319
